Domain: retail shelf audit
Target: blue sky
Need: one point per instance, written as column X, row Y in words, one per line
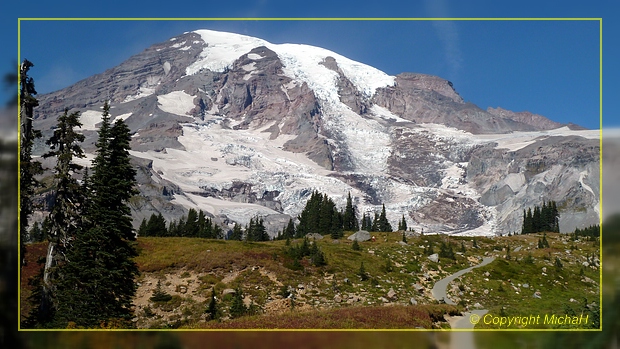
column 545, row 67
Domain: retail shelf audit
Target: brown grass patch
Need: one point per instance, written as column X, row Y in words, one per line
column 376, row 317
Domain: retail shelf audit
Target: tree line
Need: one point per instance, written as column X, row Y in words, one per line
column 87, row 280
column 194, row 224
column 320, row 216
column 541, row 219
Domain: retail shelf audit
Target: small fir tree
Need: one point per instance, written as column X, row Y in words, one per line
column 159, row 295
column 212, row 307
column 362, row 273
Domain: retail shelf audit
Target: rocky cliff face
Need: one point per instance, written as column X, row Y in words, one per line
column 238, row 127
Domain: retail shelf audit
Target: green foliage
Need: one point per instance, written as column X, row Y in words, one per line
column 591, row 233
column 428, row 249
column 28, row 168
column 212, row 308
column 237, row 307
column 349, row 219
column 404, row 237
column 320, row 216
column 255, row 231
column 542, row 242
column 558, row 264
column 237, row 233
column 289, row 231
column 545, row 218
column 156, row 226
column 362, row 273
column 380, row 223
column 529, row 259
column 356, row 245
column 95, row 284
column 66, row 214
column 36, row 233
column 388, row 266
column 402, row 224
column 366, row 222
column 159, row 295
column 446, row 251
column 305, row 249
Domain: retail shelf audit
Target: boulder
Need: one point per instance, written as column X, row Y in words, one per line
column 360, row 236
column 418, row 288
column 391, row 294
column 228, row 291
column 314, row 236
column 434, row 258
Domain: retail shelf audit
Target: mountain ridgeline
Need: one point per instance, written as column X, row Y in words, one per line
column 241, row 129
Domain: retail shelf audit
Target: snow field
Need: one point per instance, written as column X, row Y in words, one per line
column 176, row 102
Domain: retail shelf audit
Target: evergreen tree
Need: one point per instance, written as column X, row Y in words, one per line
column 256, row 230
column 159, row 295
column 402, row 225
column 66, row 212
column 289, row 231
column 384, row 224
column 362, row 273
column 202, row 224
column 28, row 168
column 537, row 222
column 558, row 264
column 545, row 243
column 142, row 228
column 236, row 234
column 237, row 308
column 316, row 256
column 156, row 226
column 375, row 223
column 356, row 245
column 212, row 307
column 349, row 218
column 36, row 234
column 528, row 222
column 310, row 216
column 364, row 222
column 191, row 225
column 555, row 217
column 326, row 216
column 98, row 284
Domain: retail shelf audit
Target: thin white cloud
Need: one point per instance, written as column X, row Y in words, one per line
column 58, row 77
column 448, row 34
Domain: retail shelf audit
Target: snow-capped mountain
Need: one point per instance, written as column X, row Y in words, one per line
column 237, row 126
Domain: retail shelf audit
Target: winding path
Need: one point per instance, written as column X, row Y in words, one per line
column 439, row 293
column 439, row 290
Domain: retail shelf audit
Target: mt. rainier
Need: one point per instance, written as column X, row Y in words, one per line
column 237, row 126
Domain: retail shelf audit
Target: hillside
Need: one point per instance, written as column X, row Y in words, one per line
column 400, row 278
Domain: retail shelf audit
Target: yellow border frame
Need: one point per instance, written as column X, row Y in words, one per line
column 600, row 20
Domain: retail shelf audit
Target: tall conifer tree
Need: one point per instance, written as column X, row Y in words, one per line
column 66, row 212
column 98, row 284
column 28, row 168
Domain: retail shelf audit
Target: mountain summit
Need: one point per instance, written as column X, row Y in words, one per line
column 238, row 127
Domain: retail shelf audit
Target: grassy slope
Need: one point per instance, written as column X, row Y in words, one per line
column 215, row 263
